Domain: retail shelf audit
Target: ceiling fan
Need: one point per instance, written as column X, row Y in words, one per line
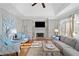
column 41, row 3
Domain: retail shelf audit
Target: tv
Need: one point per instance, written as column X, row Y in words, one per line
column 39, row 24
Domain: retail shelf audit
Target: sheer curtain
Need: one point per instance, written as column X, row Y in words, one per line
column 76, row 26
column 66, row 26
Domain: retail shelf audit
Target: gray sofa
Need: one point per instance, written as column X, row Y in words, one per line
column 68, row 46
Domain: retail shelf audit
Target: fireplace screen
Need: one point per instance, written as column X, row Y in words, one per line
column 39, row 34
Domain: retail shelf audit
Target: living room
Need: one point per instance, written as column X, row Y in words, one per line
column 39, row 29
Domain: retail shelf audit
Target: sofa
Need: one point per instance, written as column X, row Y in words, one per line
column 68, row 46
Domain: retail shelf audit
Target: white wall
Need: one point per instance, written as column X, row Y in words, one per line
column 27, row 26
column 53, row 24
column 19, row 25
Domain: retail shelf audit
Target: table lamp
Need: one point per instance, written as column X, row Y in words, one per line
column 56, row 31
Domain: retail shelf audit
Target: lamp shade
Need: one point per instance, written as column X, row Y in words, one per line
column 13, row 31
column 74, row 34
column 56, row 30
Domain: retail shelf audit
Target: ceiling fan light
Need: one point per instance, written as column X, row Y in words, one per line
column 43, row 5
column 34, row 4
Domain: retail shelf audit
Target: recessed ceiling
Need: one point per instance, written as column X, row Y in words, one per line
column 51, row 9
column 26, row 9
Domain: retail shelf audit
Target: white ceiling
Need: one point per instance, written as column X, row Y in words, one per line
column 26, row 9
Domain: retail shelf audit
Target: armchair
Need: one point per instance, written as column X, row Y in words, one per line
column 8, row 46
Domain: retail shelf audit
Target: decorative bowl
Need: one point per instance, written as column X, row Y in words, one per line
column 49, row 46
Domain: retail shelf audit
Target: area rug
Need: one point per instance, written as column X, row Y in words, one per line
column 36, row 44
column 35, row 51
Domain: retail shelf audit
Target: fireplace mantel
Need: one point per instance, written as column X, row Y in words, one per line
column 43, row 30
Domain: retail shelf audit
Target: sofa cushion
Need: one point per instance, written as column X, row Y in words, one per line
column 70, row 52
column 62, row 38
column 61, row 45
column 77, row 45
column 8, row 42
column 54, row 38
column 70, row 42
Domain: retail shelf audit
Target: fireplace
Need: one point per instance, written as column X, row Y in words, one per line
column 39, row 34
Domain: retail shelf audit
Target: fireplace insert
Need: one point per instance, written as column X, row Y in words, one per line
column 39, row 34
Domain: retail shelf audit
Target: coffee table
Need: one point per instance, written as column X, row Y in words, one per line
column 36, row 49
column 49, row 52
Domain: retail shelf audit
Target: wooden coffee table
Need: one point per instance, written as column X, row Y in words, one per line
column 53, row 51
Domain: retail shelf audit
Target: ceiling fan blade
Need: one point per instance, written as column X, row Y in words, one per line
column 43, row 5
column 34, row 4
